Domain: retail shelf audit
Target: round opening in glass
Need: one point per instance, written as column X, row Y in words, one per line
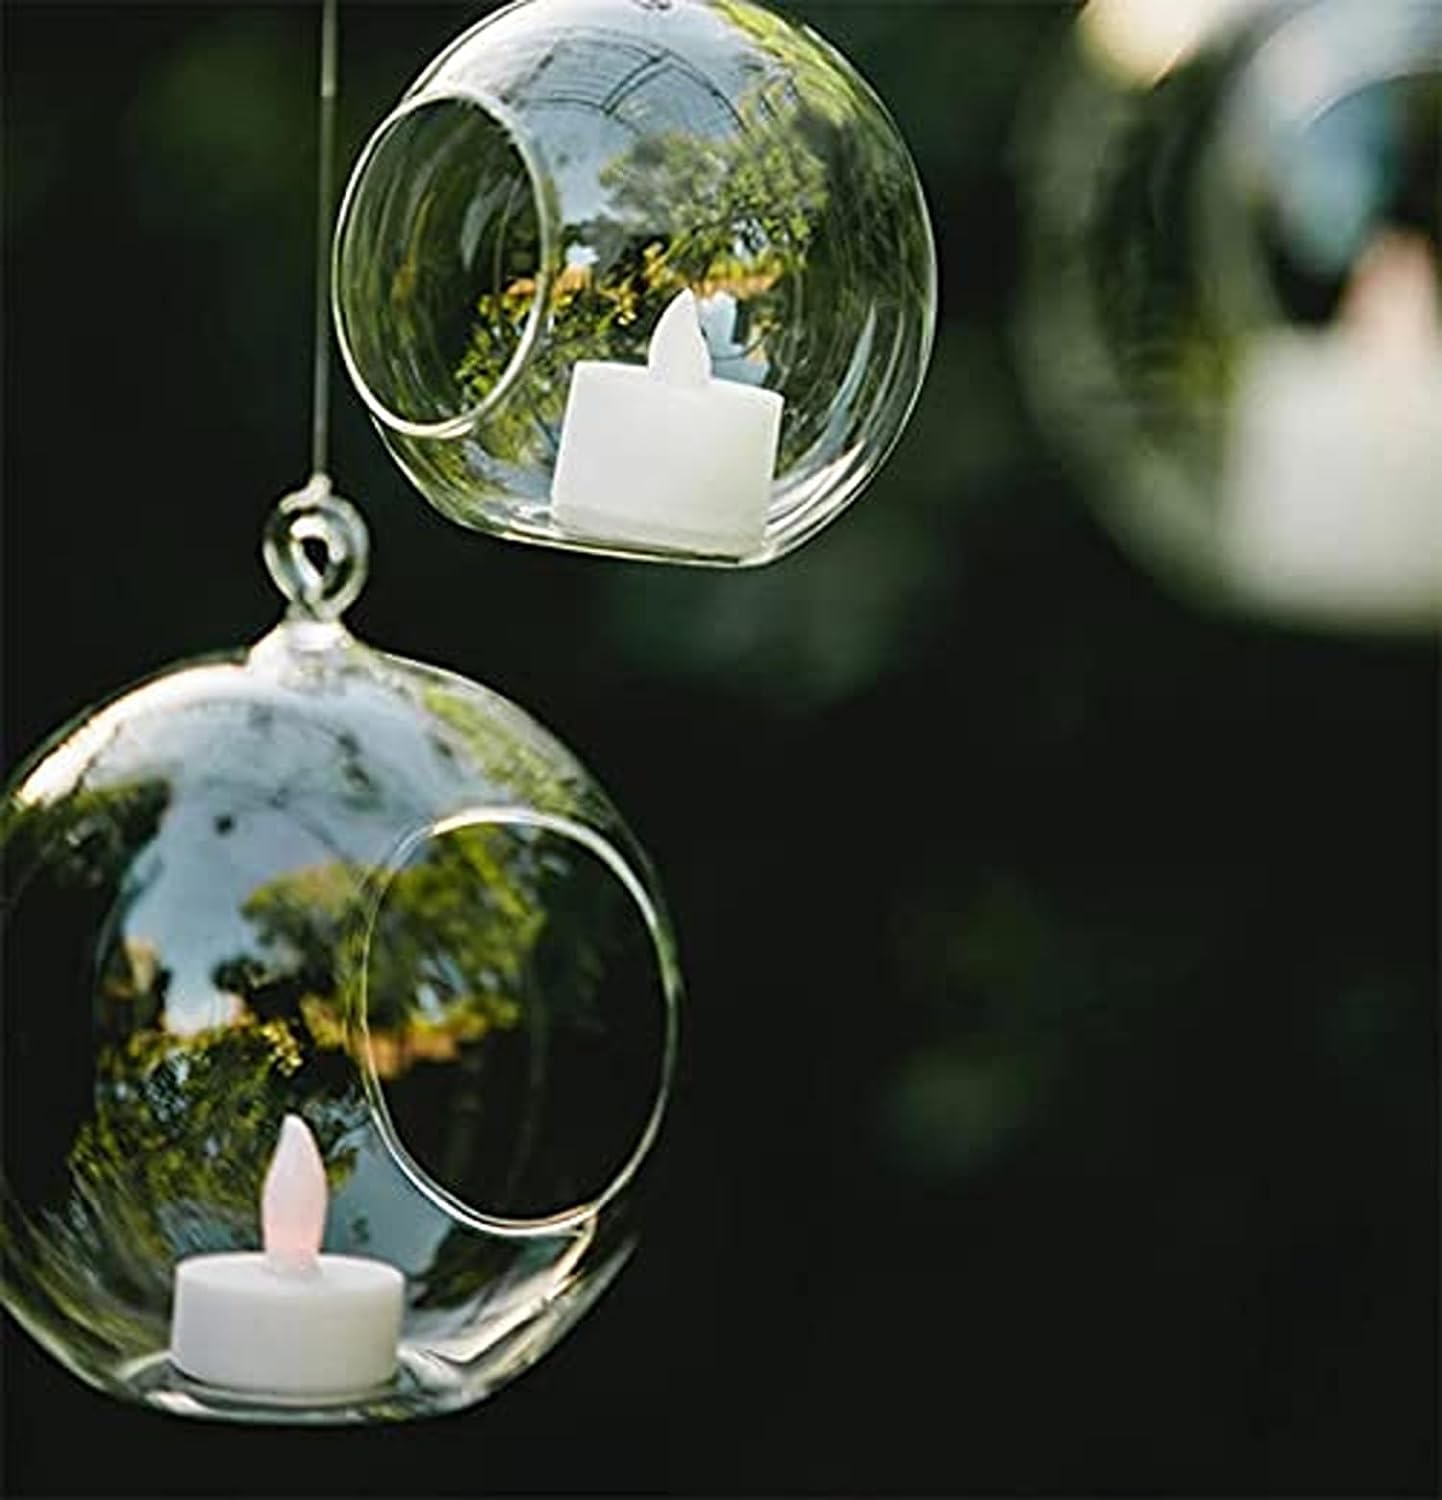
column 439, row 257
column 516, row 1021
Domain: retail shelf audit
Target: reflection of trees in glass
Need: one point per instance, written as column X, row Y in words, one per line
column 156, row 1145
column 173, row 1160
column 732, row 215
column 74, row 867
column 464, row 1264
column 798, row 227
column 451, row 939
column 85, row 840
column 509, row 754
column 795, row 56
column 495, row 957
column 1160, row 324
column 133, row 986
column 162, row 1150
column 445, row 965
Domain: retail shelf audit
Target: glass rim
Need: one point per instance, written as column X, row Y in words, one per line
column 463, row 421
column 575, row 1216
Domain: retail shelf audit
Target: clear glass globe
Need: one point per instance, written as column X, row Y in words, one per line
column 1232, row 302
column 312, row 878
column 549, row 185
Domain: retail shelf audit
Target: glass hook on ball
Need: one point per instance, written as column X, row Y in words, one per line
column 317, row 550
column 348, row 1009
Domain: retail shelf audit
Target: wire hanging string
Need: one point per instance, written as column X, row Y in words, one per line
column 325, row 174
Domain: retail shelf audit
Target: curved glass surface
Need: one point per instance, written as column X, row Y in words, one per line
column 1232, row 310
column 563, row 171
column 312, row 878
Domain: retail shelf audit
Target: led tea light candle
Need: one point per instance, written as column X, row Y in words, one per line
column 665, row 455
column 1335, row 482
column 288, row 1321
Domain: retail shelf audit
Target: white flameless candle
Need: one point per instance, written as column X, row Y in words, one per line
column 1335, row 482
column 665, row 455
column 289, row 1321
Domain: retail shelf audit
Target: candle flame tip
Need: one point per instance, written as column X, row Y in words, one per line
column 1392, row 297
column 293, row 1198
column 678, row 353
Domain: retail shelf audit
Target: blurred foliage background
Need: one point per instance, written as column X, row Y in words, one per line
column 1058, row 1107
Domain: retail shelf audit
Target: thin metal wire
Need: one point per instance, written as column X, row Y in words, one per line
column 325, row 174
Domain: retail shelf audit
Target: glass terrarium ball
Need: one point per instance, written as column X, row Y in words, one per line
column 1233, row 311
column 313, row 879
column 560, row 177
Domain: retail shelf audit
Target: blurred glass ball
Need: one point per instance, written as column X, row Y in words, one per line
column 1232, row 299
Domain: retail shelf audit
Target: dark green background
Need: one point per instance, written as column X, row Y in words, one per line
column 1058, row 1103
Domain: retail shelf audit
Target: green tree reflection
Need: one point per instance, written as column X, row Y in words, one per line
column 442, row 959
column 739, row 216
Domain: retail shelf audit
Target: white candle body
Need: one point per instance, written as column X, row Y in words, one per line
column 244, row 1323
column 650, row 463
column 1335, row 485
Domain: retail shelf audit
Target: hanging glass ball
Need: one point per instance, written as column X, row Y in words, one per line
column 558, row 178
column 1233, row 300
column 309, row 878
